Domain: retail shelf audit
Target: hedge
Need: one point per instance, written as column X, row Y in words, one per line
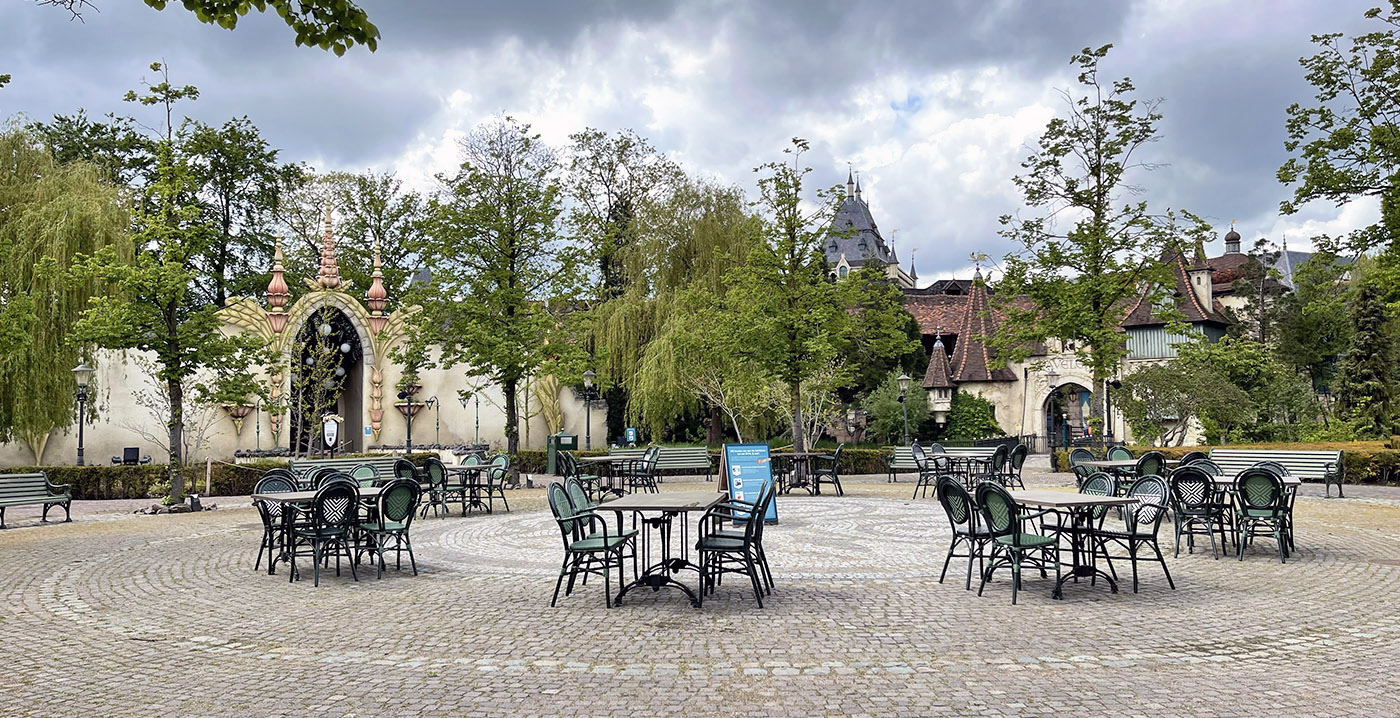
column 147, row 480
column 853, row 461
column 1364, row 462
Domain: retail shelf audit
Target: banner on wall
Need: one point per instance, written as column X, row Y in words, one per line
column 748, row 471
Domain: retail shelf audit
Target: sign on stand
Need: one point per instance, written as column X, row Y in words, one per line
column 749, row 472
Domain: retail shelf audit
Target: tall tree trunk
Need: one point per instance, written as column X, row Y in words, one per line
column 714, row 428
column 177, row 438
column 799, row 437
column 616, row 400
column 512, row 418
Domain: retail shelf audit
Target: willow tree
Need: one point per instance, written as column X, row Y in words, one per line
column 687, row 244
column 52, row 213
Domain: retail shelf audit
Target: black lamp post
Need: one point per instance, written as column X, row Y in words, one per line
column 1052, row 378
column 904, row 403
column 407, row 396
column 432, row 403
column 588, row 377
column 82, row 374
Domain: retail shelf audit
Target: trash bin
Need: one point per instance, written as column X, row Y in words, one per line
column 555, row 443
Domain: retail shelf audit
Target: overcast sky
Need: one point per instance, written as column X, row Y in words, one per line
column 934, row 102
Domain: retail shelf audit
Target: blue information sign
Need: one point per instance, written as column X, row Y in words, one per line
column 630, row 434
column 749, row 471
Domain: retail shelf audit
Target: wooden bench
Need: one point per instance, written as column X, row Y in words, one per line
column 679, row 458
column 383, row 466
column 1324, row 466
column 22, row 489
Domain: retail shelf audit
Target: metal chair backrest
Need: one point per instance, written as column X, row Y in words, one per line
column 1259, row 489
column 1119, row 453
column 398, row 503
column 1278, row 469
column 280, row 473
column 325, row 478
column 1193, row 456
column 564, row 514
column 1018, row 457
column 1151, row 493
column 1150, row 463
column 1098, row 484
column 1000, row 514
column 999, row 459
column 920, row 458
column 1193, row 490
column 936, row 448
column 313, row 477
column 470, row 460
column 404, row 469
column 365, row 474
column 275, row 483
column 837, row 453
column 1080, row 454
column 1081, row 474
column 500, row 467
column 1208, row 466
column 336, row 504
column 436, row 472
column 957, row 503
column 577, row 496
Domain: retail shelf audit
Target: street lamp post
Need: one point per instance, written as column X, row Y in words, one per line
column 1052, row 378
column 904, row 403
column 407, row 396
column 588, row 377
column 82, row 375
column 432, row 403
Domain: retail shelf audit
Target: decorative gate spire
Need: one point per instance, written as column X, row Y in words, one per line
column 277, row 293
column 378, row 297
column 329, row 276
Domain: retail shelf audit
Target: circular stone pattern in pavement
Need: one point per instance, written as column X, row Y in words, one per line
column 164, row 615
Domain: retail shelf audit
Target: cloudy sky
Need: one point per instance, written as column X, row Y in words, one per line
column 934, row 102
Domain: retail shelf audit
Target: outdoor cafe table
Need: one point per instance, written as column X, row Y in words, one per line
column 471, row 485
column 664, row 509
column 1078, row 508
column 607, row 465
column 299, row 498
column 801, row 469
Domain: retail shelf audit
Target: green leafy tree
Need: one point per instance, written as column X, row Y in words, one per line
column 1259, row 287
column 155, row 303
column 1366, row 383
column 1313, row 328
column 885, row 411
column 971, row 417
column 53, row 213
column 1281, row 395
column 1347, row 146
column 1162, row 402
column 335, row 25
column 115, row 145
column 1094, row 247
column 493, row 242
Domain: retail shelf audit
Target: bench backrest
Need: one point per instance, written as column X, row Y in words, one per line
column 18, row 486
column 383, row 465
column 684, row 457
column 970, row 450
column 1302, row 464
column 902, row 457
column 627, row 452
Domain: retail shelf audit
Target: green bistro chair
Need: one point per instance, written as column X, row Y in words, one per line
column 641, row 472
column 1010, row 544
column 404, row 469
column 1080, row 454
column 962, row 517
column 992, row 468
column 1097, row 483
column 589, row 546
column 495, row 482
column 1015, row 463
column 436, row 474
column 1141, row 522
column 1192, row 457
column 592, row 483
column 365, row 475
column 1150, row 463
column 393, row 514
column 1119, row 453
column 1195, row 510
column 826, row 469
column 733, row 551
column 459, row 488
column 745, row 509
column 334, row 513
column 1260, row 510
column 271, row 514
column 1081, row 474
column 927, row 476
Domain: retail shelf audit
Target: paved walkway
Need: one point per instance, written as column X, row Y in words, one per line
column 116, row 615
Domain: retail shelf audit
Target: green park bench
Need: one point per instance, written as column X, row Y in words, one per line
column 900, row 461
column 674, row 458
column 1324, row 466
column 383, row 466
column 22, row 489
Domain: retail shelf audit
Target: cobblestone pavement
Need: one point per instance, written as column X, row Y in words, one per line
column 113, row 615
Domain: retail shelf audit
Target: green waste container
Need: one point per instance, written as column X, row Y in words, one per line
column 562, row 441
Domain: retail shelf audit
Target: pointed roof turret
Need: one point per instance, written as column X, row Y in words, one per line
column 972, row 359
column 850, row 183
column 938, row 375
column 858, row 187
column 329, row 275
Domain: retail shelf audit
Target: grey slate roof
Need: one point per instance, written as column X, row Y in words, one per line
column 855, row 234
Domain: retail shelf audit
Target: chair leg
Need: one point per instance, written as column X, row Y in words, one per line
column 560, row 581
column 1163, row 561
column 946, row 559
column 753, row 578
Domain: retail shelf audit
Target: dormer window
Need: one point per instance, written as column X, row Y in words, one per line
column 843, row 271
